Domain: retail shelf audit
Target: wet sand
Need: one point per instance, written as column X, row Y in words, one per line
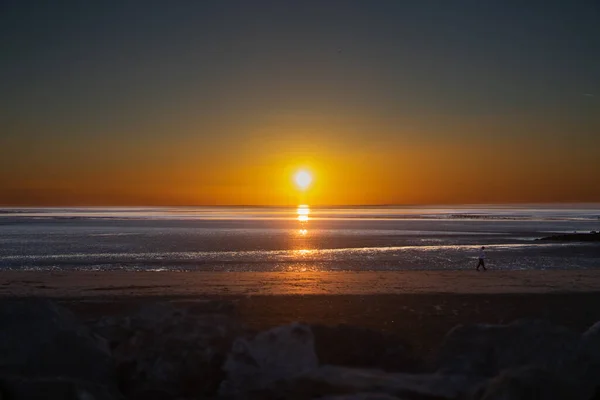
column 78, row 284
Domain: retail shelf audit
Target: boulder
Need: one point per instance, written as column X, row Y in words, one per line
column 275, row 355
column 360, row 396
column 39, row 339
column 593, row 333
column 353, row 346
column 331, row 380
column 162, row 351
column 585, row 364
column 530, row 382
column 25, row 388
column 117, row 329
column 485, row 350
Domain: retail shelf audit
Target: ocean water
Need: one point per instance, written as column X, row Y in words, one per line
column 295, row 239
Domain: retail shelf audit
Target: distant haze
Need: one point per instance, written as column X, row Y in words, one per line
column 221, row 102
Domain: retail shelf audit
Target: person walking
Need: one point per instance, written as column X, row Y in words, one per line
column 481, row 262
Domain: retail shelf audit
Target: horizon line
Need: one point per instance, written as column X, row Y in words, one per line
column 310, row 205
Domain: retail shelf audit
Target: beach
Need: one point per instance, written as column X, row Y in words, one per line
column 144, row 302
column 420, row 306
column 89, row 284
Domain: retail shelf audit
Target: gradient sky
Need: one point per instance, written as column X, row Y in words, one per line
column 219, row 102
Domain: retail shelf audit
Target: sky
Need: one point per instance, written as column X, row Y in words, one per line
column 220, row 102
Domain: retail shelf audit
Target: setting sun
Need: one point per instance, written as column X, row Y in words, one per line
column 303, row 179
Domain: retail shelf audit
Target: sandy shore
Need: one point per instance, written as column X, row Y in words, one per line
column 119, row 284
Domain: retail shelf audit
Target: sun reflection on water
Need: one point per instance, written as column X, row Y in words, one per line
column 303, row 179
column 303, row 252
column 302, row 213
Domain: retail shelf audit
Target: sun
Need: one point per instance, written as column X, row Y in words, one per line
column 303, row 179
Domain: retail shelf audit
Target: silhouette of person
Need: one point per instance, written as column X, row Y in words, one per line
column 481, row 262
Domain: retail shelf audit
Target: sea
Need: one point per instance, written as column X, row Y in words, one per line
column 297, row 239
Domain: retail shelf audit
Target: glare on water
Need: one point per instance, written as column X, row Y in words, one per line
column 284, row 239
column 303, row 211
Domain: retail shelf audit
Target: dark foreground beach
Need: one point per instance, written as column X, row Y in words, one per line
column 418, row 305
column 393, row 321
column 421, row 319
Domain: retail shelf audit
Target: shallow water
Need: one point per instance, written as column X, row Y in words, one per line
column 294, row 239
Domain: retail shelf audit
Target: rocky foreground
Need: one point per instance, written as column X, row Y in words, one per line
column 161, row 351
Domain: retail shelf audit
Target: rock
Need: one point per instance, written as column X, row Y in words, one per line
column 278, row 354
column 352, row 346
column 593, row 333
column 207, row 306
column 163, row 351
column 24, row 388
column 118, row 329
column 39, row 339
column 585, row 365
column 331, row 380
column 593, row 236
column 485, row 350
column 361, row 396
column 526, row 383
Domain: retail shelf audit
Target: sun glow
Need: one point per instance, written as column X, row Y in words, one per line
column 303, row 179
column 303, row 212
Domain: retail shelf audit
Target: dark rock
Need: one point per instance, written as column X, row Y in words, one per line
column 330, row 380
column 593, row 236
column 164, row 351
column 360, row 396
column 593, row 333
column 526, row 383
column 40, row 339
column 485, row 350
column 352, row 346
column 119, row 329
column 585, row 365
column 275, row 355
column 25, row 388
column 223, row 307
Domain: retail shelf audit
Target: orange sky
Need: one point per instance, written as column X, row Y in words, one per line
column 219, row 103
column 406, row 168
